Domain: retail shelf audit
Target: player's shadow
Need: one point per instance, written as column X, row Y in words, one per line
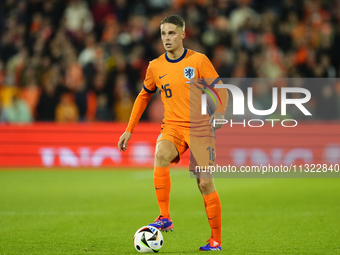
column 183, row 252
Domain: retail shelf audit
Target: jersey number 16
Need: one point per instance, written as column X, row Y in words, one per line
column 167, row 90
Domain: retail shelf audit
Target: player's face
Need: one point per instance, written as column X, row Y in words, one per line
column 172, row 36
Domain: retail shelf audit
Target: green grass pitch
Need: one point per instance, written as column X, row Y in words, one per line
column 98, row 212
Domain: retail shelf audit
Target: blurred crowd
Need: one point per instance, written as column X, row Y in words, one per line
column 85, row 60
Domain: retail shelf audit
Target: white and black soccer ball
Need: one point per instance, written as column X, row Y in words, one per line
column 148, row 239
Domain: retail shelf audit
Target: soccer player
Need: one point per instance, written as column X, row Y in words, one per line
column 172, row 74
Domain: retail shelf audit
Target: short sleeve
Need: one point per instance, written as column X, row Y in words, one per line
column 149, row 84
column 207, row 69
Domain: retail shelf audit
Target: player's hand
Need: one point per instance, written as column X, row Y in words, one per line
column 216, row 115
column 123, row 140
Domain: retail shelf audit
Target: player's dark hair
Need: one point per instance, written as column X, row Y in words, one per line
column 174, row 19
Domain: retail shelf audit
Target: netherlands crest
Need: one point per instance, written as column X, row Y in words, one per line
column 189, row 72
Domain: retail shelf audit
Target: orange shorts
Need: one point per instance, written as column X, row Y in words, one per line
column 202, row 148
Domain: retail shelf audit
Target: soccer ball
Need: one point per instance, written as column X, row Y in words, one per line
column 148, row 239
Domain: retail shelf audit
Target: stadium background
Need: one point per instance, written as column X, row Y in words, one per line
column 69, row 73
column 82, row 63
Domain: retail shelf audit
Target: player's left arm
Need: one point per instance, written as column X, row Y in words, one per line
column 208, row 71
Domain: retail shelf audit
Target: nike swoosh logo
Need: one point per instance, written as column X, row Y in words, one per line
column 160, row 77
column 212, row 218
column 159, row 188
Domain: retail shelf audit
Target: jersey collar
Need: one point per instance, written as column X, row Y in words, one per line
column 176, row 60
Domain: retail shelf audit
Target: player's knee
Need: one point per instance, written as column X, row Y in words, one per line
column 206, row 185
column 203, row 186
column 163, row 156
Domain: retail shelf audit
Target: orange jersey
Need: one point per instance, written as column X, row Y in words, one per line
column 172, row 78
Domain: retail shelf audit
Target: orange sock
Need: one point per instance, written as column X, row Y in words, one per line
column 161, row 179
column 212, row 205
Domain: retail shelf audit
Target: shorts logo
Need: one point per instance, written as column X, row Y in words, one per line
column 189, row 72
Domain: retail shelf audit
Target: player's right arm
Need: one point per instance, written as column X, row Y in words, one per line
column 142, row 100
column 139, row 106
